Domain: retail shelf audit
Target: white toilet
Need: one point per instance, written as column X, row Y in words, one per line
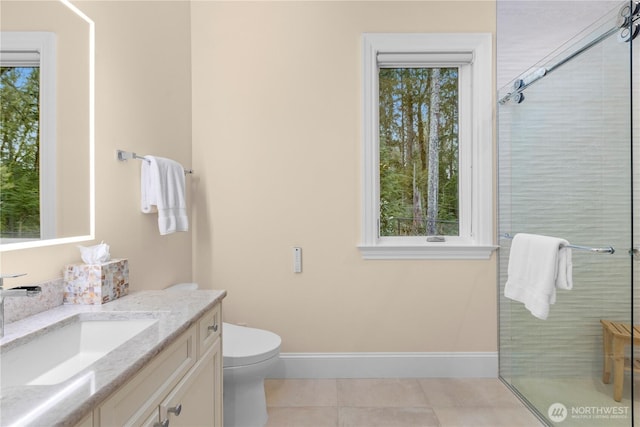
column 248, row 355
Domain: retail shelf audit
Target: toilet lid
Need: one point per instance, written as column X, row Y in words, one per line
column 243, row 346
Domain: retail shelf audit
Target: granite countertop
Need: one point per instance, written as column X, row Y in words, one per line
column 66, row 403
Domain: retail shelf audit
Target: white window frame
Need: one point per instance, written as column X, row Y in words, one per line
column 28, row 49
column 475, row 142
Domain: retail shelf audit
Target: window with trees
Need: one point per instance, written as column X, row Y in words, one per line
column 427, row 146
column 418, row 138
column 27, row 136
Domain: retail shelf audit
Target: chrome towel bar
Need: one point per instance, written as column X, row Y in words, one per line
column 126, row 155
column 606, row 250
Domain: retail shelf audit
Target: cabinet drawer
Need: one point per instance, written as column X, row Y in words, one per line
column 193, row 401
column 209, row 329
column 137, row 399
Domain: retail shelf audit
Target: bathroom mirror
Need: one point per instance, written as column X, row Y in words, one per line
column 62, row 146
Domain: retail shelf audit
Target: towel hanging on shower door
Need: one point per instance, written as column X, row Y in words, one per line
column 538, row 265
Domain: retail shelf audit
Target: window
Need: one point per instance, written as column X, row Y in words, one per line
column 27, row 136
column 427, row 146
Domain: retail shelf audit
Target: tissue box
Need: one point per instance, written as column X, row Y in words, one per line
column 96, row 283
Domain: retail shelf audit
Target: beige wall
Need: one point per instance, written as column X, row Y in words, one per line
column 143, row 104
column 276, row 143
column 276, row 151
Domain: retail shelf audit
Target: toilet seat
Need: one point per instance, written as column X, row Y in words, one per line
column 242, row 346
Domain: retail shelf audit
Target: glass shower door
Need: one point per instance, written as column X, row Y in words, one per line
column 565, row 170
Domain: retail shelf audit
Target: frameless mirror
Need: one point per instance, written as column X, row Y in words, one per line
column 47, row 124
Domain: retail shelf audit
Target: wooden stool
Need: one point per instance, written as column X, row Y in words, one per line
column 616, row 336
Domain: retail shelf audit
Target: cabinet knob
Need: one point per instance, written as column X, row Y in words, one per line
column 175, row 410
column 213, row 327
column 164, row 423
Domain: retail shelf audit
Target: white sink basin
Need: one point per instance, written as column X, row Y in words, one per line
column 67, row 348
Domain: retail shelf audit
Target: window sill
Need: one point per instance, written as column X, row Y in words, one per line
column 432, row 251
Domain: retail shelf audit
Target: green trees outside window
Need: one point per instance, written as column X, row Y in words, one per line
column 418, row 119
column 19, row 152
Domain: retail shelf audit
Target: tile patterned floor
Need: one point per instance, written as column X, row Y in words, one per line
column 441, row 402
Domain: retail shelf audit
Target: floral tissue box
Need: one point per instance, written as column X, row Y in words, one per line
column 96, row 283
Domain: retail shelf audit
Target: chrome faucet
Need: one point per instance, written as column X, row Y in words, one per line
column 21, row 291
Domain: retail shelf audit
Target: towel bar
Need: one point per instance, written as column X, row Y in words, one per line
column 606, row 250
column 126, row 155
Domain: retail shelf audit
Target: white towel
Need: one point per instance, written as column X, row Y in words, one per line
column 162, row 186
column 538, row 265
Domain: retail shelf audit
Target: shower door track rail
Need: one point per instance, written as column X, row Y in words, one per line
column 605, row 250
column 530, row 78
column 627, row 25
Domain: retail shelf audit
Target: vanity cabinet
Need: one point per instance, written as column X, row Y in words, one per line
column 181, row 386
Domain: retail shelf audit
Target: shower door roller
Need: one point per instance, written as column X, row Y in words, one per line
column 628, row 33
column 626, row 17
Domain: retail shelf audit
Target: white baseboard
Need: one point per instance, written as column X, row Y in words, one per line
column 387, row 365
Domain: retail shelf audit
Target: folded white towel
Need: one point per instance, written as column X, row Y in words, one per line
column 162, row 186
column 538, row 265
